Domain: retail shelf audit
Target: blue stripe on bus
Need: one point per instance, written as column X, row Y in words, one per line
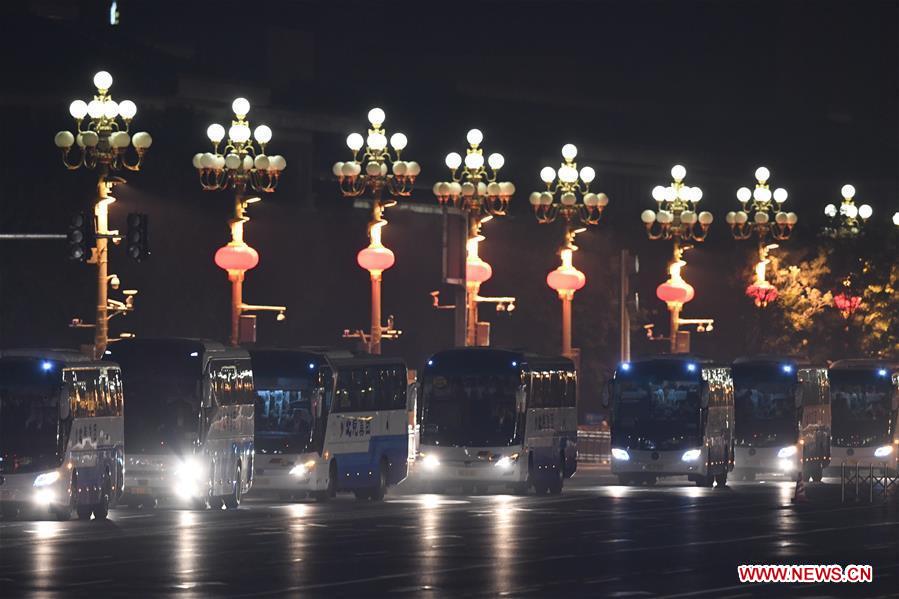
column 360, row 470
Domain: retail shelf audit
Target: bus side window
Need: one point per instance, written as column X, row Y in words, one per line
column 244, row 383
column 538, row 395
column 342, row 395
column 556, row 389
column 400, row 386
column 570, row 400
column 114, row 377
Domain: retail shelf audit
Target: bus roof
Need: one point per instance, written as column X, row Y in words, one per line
column 864, row 364
column 66, row 356
column 489, row 356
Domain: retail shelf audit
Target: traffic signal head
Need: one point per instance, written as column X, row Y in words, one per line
column 80, row 237
column 137, row 240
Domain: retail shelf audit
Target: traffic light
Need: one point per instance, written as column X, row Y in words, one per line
column 80, row 237
column 137, row 239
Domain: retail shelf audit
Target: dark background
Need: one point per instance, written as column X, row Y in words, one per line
column 808, row 89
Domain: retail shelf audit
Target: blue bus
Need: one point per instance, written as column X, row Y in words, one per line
column 492, row 417
column 329, row 422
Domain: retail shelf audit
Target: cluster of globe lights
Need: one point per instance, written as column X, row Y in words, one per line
column 758, row 205
column 570, row 184
column 473, row 188
column 240, row 164
column 676, row 216
column 376, row 167
column 848, row 212
column 103, row 139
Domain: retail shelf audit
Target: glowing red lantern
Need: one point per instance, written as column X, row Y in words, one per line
column 375, row 258
column 566, row 280
column 762, row 293
column 477, row 271
column 847, row 304
column 675, row 291
column 236, row 256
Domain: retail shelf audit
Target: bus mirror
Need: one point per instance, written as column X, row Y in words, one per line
column 65, row 405
column 317, row 401
column 412, row 392
column 521, row 399
column 704, row 397
column 607, row 393
column 797, row 396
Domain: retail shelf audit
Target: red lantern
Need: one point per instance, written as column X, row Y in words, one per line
column 375, row 258
column 566, row 280
column 675, row 291
column 477, row 271
column 847, row 304
column 236, row 256
column 762, row 293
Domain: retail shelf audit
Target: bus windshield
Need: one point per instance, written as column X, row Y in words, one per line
column 284, row 422
column 473, row 410
column 765, row 412
column 657, row 408
column 30, row 431
column 860, row 404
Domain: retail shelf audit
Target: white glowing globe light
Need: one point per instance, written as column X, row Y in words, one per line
column 474, row 161
column 110, row 109
column 849, row 210
column 534, row 198
column 337, row 169
column 277, row 162
column 373, row 169
column 781, row 218
column 196, row 160
column 215, row 133
column 568, row 174
column 377, row 141
column 354, row 141
column 261, row 162
column 730, row 218
column 588, row 174
column 240, row 106
column 762, row 194
column 684, row 192
column 413, row 169
column 665, row 217
column 762, row 174
column 474, row 137
column 64, row 139
column 453, row 160
column 658, row 193
column 602, row 199
column 569, row 151
column 95, row 109
column 896, row 219
column 142, row 140
column 496, row 161
column 239, row 133
column 103, row 80
column 847, row 191
column 830, row 210
column 376, row 116
column 262, row 134
column 127, row 109
column 398, row 141
column 695, row 194
column 706, row 218
column 780, row 195
column 865, row 211
column 548, row 174
column 688, row 217
column 78, row 109
column 232, row 161
column 743, row 194
column 678, row 173
column 648, row 217
column 761, row 217
column 792, row 218
column 741, row 217
column 670, row 194
column 399, row 168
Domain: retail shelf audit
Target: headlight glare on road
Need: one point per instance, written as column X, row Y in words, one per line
column 620, row 454
column 691, row 455
column 882, row 452
column 786, row 452
column 430, row 462
column 47, row 478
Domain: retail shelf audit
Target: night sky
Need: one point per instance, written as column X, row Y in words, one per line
column 808, row 89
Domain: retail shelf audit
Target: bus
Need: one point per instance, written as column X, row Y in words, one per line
column 61, row 434
column 494, row 417
column 672, row 416
column 329, row 422
column 865, row 396
column 782, row 418
column 188, row 421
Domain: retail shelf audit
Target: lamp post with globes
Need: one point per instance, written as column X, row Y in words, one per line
column 375, row 171
column 103, row 141
column 236, row 163
column 764, row 219
column 476, row 191
column 846, row 221
column 676, row 219
column 568, row 195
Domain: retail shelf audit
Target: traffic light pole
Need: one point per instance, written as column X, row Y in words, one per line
column 101, row 211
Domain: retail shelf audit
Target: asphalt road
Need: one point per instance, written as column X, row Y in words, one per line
column 597, row 539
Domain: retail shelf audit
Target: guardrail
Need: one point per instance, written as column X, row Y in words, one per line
column 594, row 446
column 864, row 482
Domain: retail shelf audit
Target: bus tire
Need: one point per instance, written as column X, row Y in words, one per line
column 101, row 508
column 331, row 491
column 379, row 491
column 817, row 474
column 232, row 501
column 721, row 479
column 84, row 511
column 558, row 480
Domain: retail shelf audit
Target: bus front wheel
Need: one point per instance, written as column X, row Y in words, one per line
column 101, row 508
column 232, row 501
column 379, row 491
column 558, row 480
column 331, row 491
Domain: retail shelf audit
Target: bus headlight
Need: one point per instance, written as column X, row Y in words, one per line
column 691, row 455
column 47, row 478
column 302, row 469
column 430, row 462
column 188, row 475
column 44, row 497
column 506, row 462
column 786, row 452
column 620, row 454
column 880, row 452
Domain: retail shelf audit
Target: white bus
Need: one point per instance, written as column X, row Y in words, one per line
column 865, row 405
column 672, row 416
column 493, row 417
column 782, row 418
column 328, row 422
column 60, row 434
column 188, row 421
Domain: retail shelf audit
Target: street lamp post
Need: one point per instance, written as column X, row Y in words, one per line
column 568, row 195
column 247, row 170
column 676, row 219
column 476, row 191
column 103, row 141
column 761, row 215
column 377, row 170
column 847, row 219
